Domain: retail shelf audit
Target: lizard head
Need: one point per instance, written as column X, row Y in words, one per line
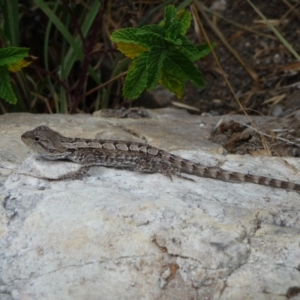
column 44, row 141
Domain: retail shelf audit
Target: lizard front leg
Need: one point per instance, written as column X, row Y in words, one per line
column 76, row 175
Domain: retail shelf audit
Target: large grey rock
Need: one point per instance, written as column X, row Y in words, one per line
column 117, row 234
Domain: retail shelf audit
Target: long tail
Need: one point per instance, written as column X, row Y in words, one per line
column 186, row 166
column 224, row 175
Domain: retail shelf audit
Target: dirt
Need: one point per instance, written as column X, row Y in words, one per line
column 272, row 90
column 262, row 136
column 276, row 90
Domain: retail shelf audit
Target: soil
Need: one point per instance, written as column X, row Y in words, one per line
column 275, row 91
column 267, row 85
column 262, row 136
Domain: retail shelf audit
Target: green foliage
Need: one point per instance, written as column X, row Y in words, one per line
column 51, row 30
column 59, row 19
column 161, row 54
column 11, row 59
column 75, row 69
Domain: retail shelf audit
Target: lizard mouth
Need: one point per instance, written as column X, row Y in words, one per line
column 28, row 139
column 25, row 137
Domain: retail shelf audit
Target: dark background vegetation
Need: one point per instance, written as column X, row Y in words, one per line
column 78, row 69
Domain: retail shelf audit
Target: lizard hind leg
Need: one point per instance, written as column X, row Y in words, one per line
column 76, row 175
column 153, row 166
column 169, row 171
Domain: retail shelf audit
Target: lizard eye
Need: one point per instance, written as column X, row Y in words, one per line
column 36, row 138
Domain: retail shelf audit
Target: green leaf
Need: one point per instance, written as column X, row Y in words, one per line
column 6, row 91
column 185, row 20
column 17, row 66
column 167, row 56
column 188, row 49
column 194, row 52
column 154, row 11
column 155, row 61
column 12, row 55
column 204, row 49
column 136, row 79
column 149, row 39
column 126, row 35
column 183, row 66
column 136, row 36
column 170, row 16
column 131, row 50
column 173, row 34
column 152, row 29
column 171, row 80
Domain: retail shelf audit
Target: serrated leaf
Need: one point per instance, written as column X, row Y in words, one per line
column 126, row 35
column 204, row 49
column 185, row 68
column 136, row 79
column 161, row 54
column 12, row 54
column 152, row 29
column 149, row 39
column 173, row 34
column 6, row 91
column 193, row 52
column 185, row 19
column 155, row 61
column 170, row 16
column 137, row 36
column 131, row 50
column 172, row 80
column 188, row 49
column 17, row 66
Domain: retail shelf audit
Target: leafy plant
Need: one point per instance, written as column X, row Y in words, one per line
column 11, row 60
column 161, row 54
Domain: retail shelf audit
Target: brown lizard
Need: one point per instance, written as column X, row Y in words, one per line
column 132, row 156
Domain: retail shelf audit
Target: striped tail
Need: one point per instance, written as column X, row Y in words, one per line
column 224, row 175
column 188, row 167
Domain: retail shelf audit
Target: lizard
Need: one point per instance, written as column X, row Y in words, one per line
column 133, row 156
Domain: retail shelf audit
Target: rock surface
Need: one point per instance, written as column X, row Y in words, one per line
column 117, row 234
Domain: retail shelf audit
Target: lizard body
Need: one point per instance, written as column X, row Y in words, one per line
column 133, row 156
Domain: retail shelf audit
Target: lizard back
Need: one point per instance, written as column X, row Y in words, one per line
column 133, row 156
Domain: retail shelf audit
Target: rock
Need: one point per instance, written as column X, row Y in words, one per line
column 117, row 234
